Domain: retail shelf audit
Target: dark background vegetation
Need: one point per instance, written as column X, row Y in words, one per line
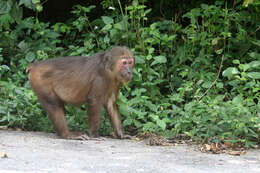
column 197, row 63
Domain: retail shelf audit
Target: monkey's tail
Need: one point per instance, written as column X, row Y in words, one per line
column 29, row 68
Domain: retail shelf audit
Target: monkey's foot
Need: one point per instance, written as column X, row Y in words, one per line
column 121, row 136
column 77, row 136
column 126, row 137
column 97, row 138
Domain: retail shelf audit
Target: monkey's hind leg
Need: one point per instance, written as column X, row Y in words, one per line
column 55, row 108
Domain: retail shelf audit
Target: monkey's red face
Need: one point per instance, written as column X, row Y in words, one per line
column 125, row 68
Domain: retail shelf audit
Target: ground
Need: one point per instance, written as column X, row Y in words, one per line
column 36, row 152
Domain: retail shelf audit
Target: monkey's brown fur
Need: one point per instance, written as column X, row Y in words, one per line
column 76, row 80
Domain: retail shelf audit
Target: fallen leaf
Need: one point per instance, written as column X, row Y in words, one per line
column 218, row 148
column 228, row 144
column 135, row 138
column 3, row 155
column 3, row 127
column 18, row 129
column 236, row 153
column 207, row 147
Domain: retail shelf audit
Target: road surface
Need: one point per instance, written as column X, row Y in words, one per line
column 37, row 152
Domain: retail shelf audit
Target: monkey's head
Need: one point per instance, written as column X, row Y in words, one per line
column 121, row 61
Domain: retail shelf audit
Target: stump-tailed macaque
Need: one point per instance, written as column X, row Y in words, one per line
column 76, row 80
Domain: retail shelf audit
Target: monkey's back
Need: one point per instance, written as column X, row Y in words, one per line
column 69, row 77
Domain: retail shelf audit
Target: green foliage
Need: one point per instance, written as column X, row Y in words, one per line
column 244, row 80
column 19, row 108
column 196, row 73
column 216, row 120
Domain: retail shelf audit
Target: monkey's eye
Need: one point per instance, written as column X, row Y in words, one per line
column 124, row 62
column 130, row 62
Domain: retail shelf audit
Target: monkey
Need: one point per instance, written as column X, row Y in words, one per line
column 76, row 80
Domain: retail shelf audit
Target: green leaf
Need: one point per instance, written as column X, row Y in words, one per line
column 246, row 2
column 237, row 100
column 106, row 39
column 219, row 85
column 219, row 51
column 172, row 37
column 23, row 45
column 149, row 40
column 254, row 64
column 230, row 71
column 161, row 124
column 52, row 35
column 107, row 27
column 138, row 91
column 139, row 59
column 118, row 26
column 256, row 42
column 88, row 9
column 5, row 6
column 236, row 61
column 27, row 3
column 149, row 126
column 4, row 67
column 129, row 8
column 135, row 3
column 124, row 110
column 17, row 13
column 39, row 7
column 30, row 56
column 159, row 60
column 207, row 84
column 6, row 20
column 254, row 55
column 128, row 122
column 113, row 32
column 244, row 67
column 150, row 105
column 107, row 20
column 254, row 75
column 36, row 1
column 214, row 41
column 150, row 50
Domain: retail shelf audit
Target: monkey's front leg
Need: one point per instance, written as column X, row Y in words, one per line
column 114, row 114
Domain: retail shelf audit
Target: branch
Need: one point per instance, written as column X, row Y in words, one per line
column 214, row 83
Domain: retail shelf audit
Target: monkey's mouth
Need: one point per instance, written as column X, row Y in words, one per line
column 126, row 78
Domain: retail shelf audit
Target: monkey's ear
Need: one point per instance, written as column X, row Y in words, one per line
column 108, row 61
column 108, row 56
